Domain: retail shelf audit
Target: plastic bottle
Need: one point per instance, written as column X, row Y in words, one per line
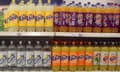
column 12, row 56
column 80, row 17
column 64, row 17
column 97, row 27
column 1, row 20
column 88, row 18
column 29, row 56
column 112, row 57
column 107, row 19
column 47, row 56
column 118, row 56
column 49, row 17
column 104, row 57
column 97, row 55
column 40, row 13
column 21, row 56
column 116, row 18
column 89, row 57
column 56, row 53
column 22, row 17
column 6, row 20
column 81, row 56
column 30, row 16
column 57, row 17
column 13, row 17
column 3, row 56
column 72, row 12
column 64, row 56
column 38, row 56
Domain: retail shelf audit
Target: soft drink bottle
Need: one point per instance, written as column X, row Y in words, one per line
column 97, row 55
column 47, row 55
column 40, row 12
column 73, row 53
column 64, row 56
column 13, row 17
column 118, row 56
column 21, row 56
column 29, row 56
column 3, row 55
column 89, row 57
column 30, row 16
column 49, row 17
column 38, row 56
column 12, row 56
column 112, row 57
column 22, row 17
column 81, row 56
column 104, row 59
column 56, row 53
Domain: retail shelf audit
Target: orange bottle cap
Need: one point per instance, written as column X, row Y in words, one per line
column 73, row 43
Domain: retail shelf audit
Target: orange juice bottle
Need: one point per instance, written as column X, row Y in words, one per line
column 88, row 18
column 73, row 57
column 64, row 16
column 81, row 56
column 56, row 53
column 107, row 19
column 97, row 27
column 64, row 57
column 89, row 57
column 116, row 19
column 80, row 17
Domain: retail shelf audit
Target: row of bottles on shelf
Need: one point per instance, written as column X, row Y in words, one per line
column 86, row 56
column 23, row 56
column 72, row 17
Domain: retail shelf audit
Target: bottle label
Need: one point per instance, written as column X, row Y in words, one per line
column 116, row 21
column 13, row 20
column 104, row 58
column 97, row 58
column 56, row 58
column 80, row 19
column 46, row 58
column 73, row 59
column 81, row 58
column 49, row 19
column 22, row 20
column 29, row 58
column 89, row 58
column 72, row 19
column 3, row 58
column 112, row 58
column 65, row 18
column 21, row 58
column 31, row 20
column 40, row 20
column 107, row 20
column 38, row 56
column 56, row 18
column 88, row 20
column 64, row 58
column 11, row 58
column 98, row 20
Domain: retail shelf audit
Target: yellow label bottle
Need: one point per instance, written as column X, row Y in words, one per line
column 40, row 15
column 112, row 57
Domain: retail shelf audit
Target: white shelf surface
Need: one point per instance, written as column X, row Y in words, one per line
column 61, row 34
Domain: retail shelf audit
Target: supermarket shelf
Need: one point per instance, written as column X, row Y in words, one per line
column 26, row 33
column 61, row 34
column 61, row 71
column 72, row 34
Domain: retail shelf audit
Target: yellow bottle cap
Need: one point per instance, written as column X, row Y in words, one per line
column 13, row 1
column 49, row 1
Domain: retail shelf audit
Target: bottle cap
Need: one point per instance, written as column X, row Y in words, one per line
column 13, row 1
column 3, row 42
column 11, row 42
column 49, row 1
column 46, row 42
column 79, row 3
column 56, row 42
column 64, row 42
column 81, row 42
column 29, row 42
column 20, row 42
column 89, row 43
column 73, row 1
column 89, row 3
column 73, row 43
column 38, row 42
